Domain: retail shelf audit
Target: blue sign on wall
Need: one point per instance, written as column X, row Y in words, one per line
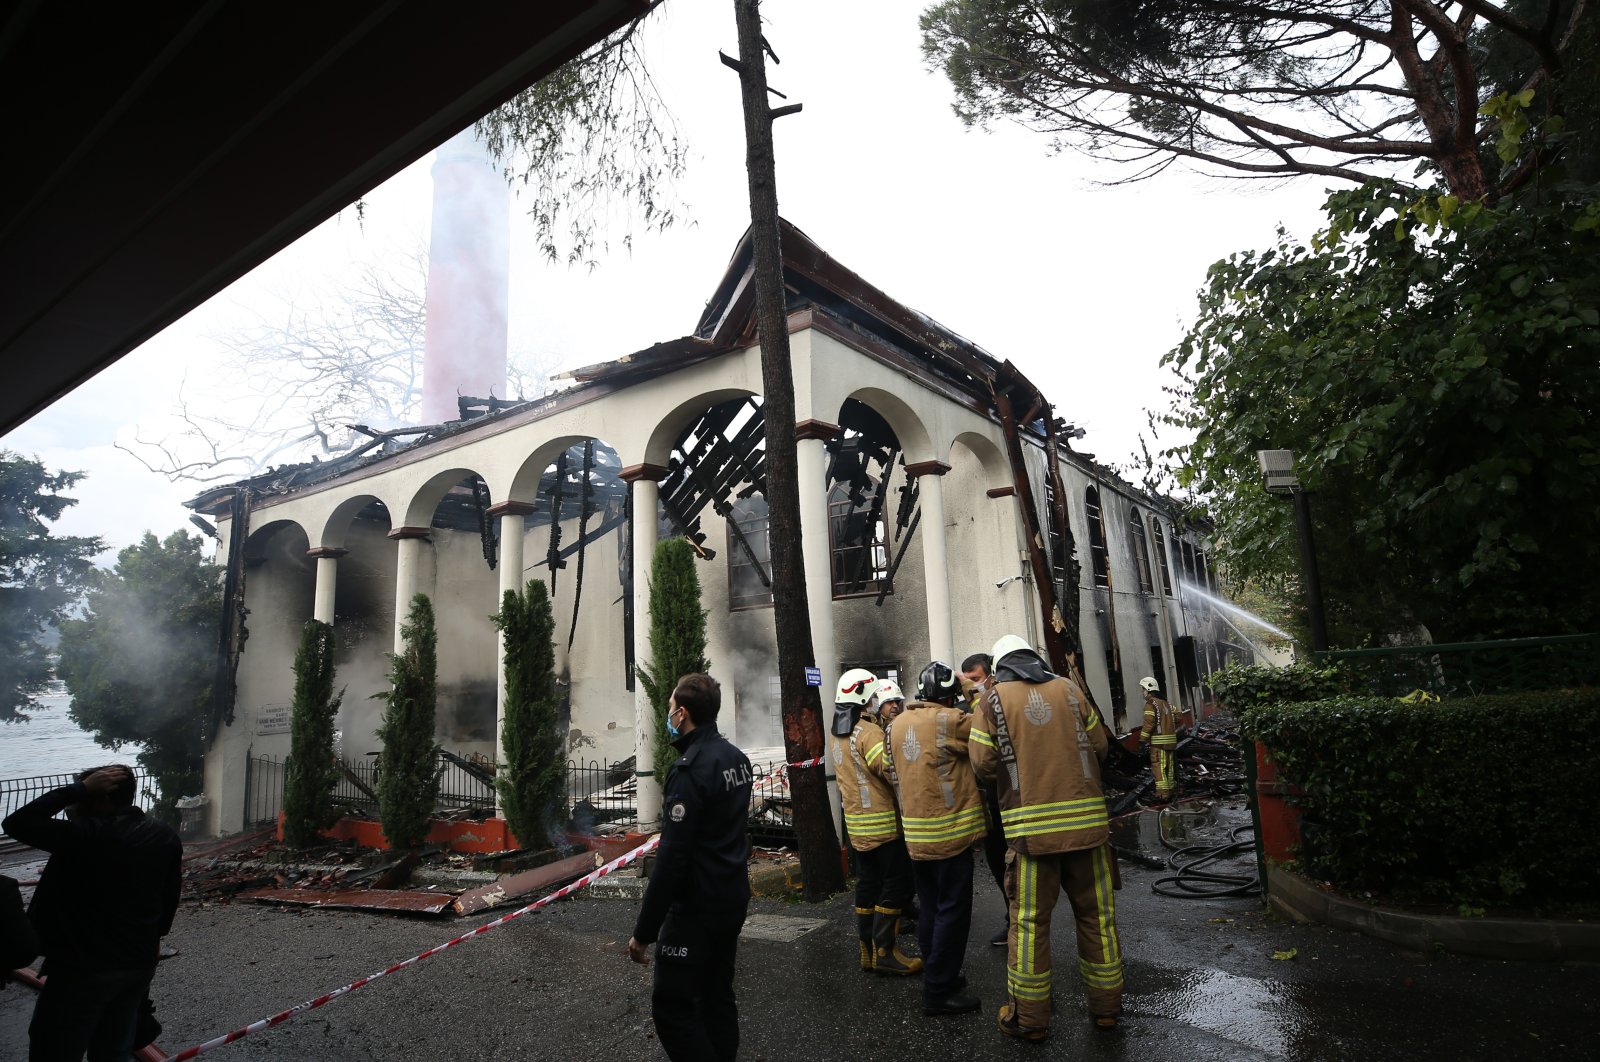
column 813, row 676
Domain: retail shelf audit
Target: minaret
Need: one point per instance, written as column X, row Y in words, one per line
column 469, row 264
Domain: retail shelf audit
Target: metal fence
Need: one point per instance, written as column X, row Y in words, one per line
column 15, row 792
column 1466, row 669
column 459, row 787
column 600, row 794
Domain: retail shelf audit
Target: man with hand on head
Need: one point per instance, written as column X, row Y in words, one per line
column 104, row 901
column 699, row 890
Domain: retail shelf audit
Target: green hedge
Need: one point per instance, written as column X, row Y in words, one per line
column 1477, row 802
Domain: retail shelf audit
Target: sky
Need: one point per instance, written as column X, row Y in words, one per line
column 1023, row 251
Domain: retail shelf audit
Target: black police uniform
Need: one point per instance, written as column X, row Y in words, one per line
column 699, row 891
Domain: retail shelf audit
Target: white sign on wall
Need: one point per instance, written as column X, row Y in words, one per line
column 272, row 719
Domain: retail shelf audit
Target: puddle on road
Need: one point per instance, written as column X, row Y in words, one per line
column 1268, row 1015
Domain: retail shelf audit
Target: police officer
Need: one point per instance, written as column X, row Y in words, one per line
column 1161, row 735
column 872, row 820
column 699, row 890
column 1041, row 741
column 926, row 752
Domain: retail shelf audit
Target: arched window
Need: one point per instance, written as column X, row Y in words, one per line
column 1097, row 537
column 1141, row 551
column 1186, row 555
column 749, row 560
column 1161, row 556
column 858, row 540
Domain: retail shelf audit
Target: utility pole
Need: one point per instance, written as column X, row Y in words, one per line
column 803, row 738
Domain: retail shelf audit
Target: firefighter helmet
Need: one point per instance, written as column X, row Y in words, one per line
column 1011, row 643
column 887, row 690
column 1149, row 685
column 938, row 683
column 856, row 687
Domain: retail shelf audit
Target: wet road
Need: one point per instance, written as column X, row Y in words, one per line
column 557, row 985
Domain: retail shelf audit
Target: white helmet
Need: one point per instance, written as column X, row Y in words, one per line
column 887, row 690
column 856, row 686
column 1149, row 685
column 1011, row 643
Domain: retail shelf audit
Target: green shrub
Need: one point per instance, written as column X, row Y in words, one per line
column 1241, row 687
column 677, row 637
column 408, row 786
column 310, row 777
column 533, row 782
column 1460, row 802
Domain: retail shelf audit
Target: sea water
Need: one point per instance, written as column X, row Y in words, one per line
column 49, row 742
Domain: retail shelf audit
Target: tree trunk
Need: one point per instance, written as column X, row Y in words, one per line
column 802, row 709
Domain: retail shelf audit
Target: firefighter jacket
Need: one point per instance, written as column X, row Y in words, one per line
column 1041, row 743
column 870, row 814
column 1160, row 722
column 926, row 756
column 703, row 862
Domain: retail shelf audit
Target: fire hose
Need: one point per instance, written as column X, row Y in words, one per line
column 1192, row 880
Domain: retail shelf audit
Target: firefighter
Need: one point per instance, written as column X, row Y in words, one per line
column 1161, row 735
column 872, row 820
column 926, row 755
column 889, row 700
column 975, row 678
column 1038, row 737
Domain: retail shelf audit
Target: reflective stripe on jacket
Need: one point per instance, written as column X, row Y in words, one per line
column 1160, row 722
column 1052, row 801
column 870, row 813
column 941, row 813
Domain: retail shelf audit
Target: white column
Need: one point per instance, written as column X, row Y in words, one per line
column 642, row 544
column 327, row 558
column 816, row 553
column 935, row 561
column 810, row 455
column 510, row 568
column 408, row 557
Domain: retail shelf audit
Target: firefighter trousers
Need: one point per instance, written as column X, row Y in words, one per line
column 883, row 877
column 1032, row 887
column 1162, row 760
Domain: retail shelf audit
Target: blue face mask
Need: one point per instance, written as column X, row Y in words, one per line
column 672, row 731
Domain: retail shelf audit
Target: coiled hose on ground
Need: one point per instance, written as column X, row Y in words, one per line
column 1192, row 881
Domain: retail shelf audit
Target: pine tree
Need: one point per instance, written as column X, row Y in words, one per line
column 677, row 636
column 408, row 786
column 533, row 781
column 310, row 777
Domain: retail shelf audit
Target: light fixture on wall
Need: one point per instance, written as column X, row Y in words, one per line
column 1278, row 477
column 1008, row 580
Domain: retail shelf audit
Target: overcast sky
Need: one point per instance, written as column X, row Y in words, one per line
column 1085, row 287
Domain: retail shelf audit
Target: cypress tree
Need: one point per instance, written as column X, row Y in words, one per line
column 408, row 786
column 677, row 636
column 310, row 777
column 533, row 781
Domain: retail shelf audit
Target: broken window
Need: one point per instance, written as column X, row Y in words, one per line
column 748, row 583
column 859, row 540
column 1098, row 558
column 1161, row 556
column 1057, row 540
column 1141, row 551
column 1186, row 554
column 866, row 546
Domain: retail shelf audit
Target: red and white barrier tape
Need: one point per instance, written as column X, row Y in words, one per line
column 311, row 1004
column 815, row 761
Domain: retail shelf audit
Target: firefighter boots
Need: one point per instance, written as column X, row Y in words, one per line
column 887, row 958
column 864, row 919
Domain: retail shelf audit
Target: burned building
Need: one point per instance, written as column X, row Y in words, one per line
column 941, row 507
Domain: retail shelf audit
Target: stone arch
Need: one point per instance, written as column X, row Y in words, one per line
column 670, row 428
column 424, row 503
column 335, row 532
column 915, row 441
